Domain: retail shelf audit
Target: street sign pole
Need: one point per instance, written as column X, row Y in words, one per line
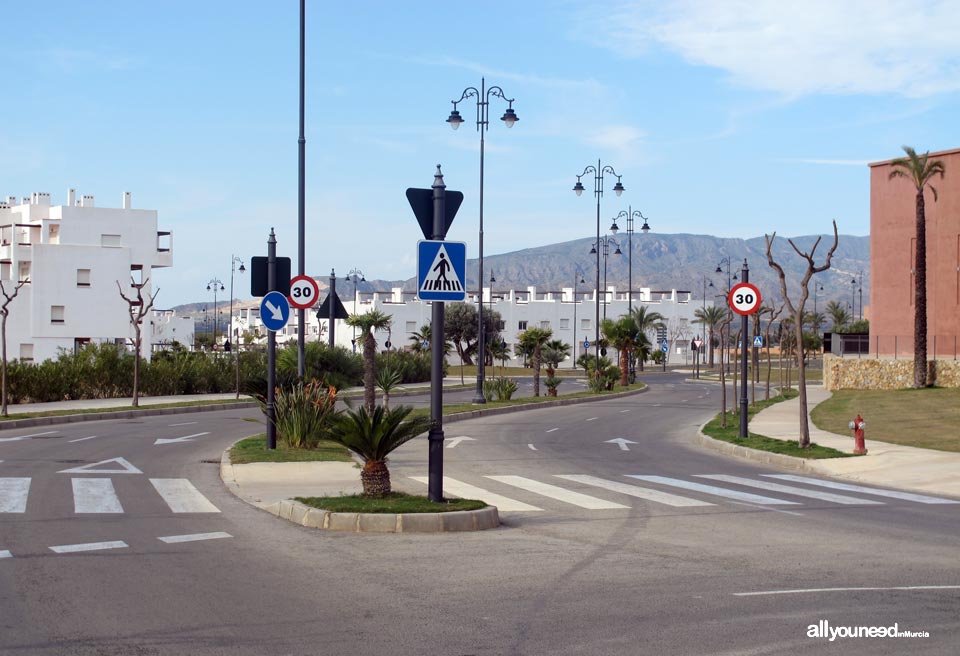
column 333, row 294
column 744, row 327
column 435, row 436
column 271, row 347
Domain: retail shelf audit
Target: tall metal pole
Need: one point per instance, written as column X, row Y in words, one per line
column 744, row 327
column 271, row 347
column 630, row 260
column 576, row 277
column 598, row 191
column 301, row 222
column 435, row 436
column 331, row 322
column 478, row 396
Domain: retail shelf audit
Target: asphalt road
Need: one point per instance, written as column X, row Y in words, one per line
column 624, row 575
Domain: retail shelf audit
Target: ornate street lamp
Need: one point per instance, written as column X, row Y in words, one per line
column 353, row 274
column 577, row 276
column 509, row 117
column 606, row 241
column 215, row 285
column 630, row 214
column 235, row 340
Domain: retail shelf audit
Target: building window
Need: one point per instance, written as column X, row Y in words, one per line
column 24, row 272
column 564, row 324
column 522, row 325
column 584, row 324
column 5, row 269
column 54, row 234
column 411, row 326
column 110, row 241
column 545, row 325
column 26, row 353
column 56, row 314
column 83, row 277
column 501, row 326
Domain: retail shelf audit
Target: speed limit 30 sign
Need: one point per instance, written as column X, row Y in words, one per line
column 304, row 292
column 744, row 298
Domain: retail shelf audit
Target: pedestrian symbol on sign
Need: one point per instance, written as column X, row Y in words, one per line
column 441, row 268
column 437, row 279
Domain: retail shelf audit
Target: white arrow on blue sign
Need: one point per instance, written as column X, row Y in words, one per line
column 274, row 311
column 664, row 346
column 586, row 343
column 441, row 270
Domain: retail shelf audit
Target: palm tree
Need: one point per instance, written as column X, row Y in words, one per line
column 498, row 350
column 373, row 436
column 421, row 337
column 534, row 339
column 388, row 379
column 815, row 319
column 920, row 171
column 553, row 353
column 711, row 318
column 647, row 321
column 838, row 314
column 622, row 334
column 368, row 324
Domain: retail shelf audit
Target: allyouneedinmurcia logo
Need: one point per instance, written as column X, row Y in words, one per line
column 822, row 629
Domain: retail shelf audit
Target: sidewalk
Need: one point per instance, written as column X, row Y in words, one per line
column 125, row 403
column 922, row 470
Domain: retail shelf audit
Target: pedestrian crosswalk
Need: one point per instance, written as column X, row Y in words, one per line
column 98, row 496
column 512, row 493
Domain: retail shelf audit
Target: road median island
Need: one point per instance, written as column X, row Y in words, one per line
column 49, row 418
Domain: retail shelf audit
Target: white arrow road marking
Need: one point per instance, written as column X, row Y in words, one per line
column 621, row 442
column 274, row 311
column 186, row 423
column 90, row 469
column 196, row 537
column 83, row 438
column 95, row 496
column 174, row 440
column 593, row 418
column 467, row 491
column 5, row 554
column 454, row 441
column 532, row 448
column 182, row 496
column 552, row 430
column 622, row 411
column 26, row 437
column 89, row 546
column 13, row 494
column 558, row 493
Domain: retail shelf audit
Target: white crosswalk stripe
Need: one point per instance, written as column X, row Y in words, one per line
column 558, row 493
column 95, row 495
column 715, row 491
column 892, row 494
column 182, row 496
column 467, row 491
column 790, row 489
column 13, row 494
column 635, row 491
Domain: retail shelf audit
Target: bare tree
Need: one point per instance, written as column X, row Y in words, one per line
column 5, row 312
column 724, row 326
column 138, row 310
column 766, row 337
column 797, row 312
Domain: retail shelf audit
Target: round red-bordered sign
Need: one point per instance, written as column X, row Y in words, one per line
column 304, row 292
column 744, row 298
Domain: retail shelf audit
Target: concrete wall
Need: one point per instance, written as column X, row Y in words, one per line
column 884, row 373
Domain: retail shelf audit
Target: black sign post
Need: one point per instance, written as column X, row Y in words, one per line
column 272, row 345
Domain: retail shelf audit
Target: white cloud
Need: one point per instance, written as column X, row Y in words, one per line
column 802, row 48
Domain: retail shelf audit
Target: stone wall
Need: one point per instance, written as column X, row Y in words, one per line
column 884, row 374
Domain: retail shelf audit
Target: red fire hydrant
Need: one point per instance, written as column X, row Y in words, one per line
column 857, row 425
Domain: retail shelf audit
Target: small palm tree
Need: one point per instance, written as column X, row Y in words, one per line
column 838, row 314
column 647, row 321
column 920, row 171
column 388, row 379
column 534, row 339
column 420, row 337
column 622, row 334
column 498, row 350
column 373, row 436
column 711, row 317
column 369, row 323
column 553, row 353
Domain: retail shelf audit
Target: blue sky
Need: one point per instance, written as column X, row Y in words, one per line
column 731, row 118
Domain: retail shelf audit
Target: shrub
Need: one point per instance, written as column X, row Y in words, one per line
column 499, row 389
column 552, row 383
column 303, row 412
column 337, row 366
column 413, row 367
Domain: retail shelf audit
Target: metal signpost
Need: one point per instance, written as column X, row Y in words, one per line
column 744, row 299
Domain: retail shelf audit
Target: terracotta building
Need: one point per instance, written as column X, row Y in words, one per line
column 892, row 254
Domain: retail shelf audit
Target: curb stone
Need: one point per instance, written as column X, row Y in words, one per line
column 122, row 414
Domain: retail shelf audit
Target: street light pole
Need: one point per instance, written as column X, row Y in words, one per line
column 363, row 278
column 236, row 343
column 577, row 275
column 618, row 188
column 723, row 345
column 606, row 241
column 214, row 284
column 483, row 124
column 629, row 214
column 301, row 195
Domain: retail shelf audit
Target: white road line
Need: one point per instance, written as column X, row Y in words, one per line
column 906, row 496
column 13, row 494
column 196, row 537
column 90, row 546
column 83, row 438
column 467, row 491
column 716, row 491
column 186, row 423
column 622, row 411
column 636, row 491
column 95, row 495
column 815, row 590
column 790, row 489
column 26, row 437
column 558, row 493
column 5, row 554
column 532, row 448
column 553, row 429
column 182, row 496
column 593, row 418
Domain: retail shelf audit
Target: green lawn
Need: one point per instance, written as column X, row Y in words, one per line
column 926, row 418
column 254, row 449
column 396, row 502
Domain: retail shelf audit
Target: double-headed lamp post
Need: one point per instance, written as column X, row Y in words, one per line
column 577, row 280
column 630, row 214
column 235, row 343
column 605, row 241
column 483, row 96
column 730, row 279
column 598, row 173
column 215, row 285
column 353, row 276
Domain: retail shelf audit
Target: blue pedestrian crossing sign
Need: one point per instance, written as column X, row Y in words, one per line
column 441, row 270
column 664, row 346
column 757, row 341
column 275, row 311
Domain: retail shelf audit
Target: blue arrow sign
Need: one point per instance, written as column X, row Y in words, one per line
column 274, row 311
column 664, row 346
column 441, row 270
column 586, row 343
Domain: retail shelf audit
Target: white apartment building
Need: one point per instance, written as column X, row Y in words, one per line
column 72, row 256
column 573, row 322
